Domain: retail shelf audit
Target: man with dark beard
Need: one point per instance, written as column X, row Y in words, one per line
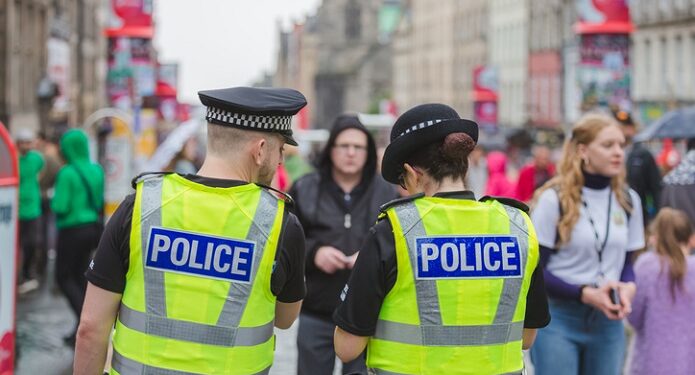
column 195, row 270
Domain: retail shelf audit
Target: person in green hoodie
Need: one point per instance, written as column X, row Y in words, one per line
column 30, row 165
column 77, row 204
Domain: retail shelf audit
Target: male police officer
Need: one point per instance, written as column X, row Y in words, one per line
column 198, row 268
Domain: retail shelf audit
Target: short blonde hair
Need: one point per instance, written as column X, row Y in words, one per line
column 225, row 140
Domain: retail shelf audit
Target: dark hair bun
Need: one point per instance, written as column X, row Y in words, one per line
column 457, row 147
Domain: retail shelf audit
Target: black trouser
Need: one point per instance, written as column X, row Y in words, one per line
column 28, row 239
column 48, row 237
column 74, row 248
column 316, row 355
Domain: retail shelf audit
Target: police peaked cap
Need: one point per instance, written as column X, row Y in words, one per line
column 418, row 127
column 252, row 108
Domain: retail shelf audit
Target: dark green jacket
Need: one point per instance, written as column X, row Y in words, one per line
column 71, row 203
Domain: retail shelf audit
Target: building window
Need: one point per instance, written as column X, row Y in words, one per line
column 692, row 62
column 679, row 63
column 666, row 88
column 647, row 61
column 353, row 20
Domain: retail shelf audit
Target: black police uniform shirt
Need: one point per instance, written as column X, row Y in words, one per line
column 110, row 265
column 375, row 274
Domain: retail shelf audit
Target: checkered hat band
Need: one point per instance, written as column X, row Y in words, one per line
column 421, row 125
column 276, row 123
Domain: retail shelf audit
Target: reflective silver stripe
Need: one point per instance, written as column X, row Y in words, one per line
column 376, row 371
column 194, row 332
column 127, row 366
column 259, row 232
column 225, row 332
column 449, row 335
column 426, row 290
column 431, row 331
column 511, row 288
column 151, row 215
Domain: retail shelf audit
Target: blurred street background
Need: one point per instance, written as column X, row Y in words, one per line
column 127, row 72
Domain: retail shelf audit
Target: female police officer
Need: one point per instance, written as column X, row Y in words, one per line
column 444, row 284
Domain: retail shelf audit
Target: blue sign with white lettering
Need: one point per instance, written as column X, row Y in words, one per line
column 200, row 255
column 463, row 257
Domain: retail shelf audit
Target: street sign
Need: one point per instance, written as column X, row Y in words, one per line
column 118, row 165
column 9, row 180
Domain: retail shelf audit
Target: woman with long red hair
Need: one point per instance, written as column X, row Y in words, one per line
column 587, row 221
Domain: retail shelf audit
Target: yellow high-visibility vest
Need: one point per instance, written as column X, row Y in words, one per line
column 459, row 301
column 197, row 296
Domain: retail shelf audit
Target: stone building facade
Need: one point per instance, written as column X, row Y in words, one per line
column 663, row 55
column 470, row 40
column 550, row 36
column 435, row 51
column 52, row 62
column 508, row 49
column 353, row 65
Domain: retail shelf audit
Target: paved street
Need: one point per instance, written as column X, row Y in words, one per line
column 43, row 318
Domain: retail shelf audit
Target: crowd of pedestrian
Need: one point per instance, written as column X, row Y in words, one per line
column 593, row 212
column 60, row 209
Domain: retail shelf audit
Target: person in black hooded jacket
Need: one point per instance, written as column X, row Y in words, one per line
column 336, row 205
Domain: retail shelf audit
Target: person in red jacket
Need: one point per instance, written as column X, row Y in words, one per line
column 534, row 174
column 498, row 184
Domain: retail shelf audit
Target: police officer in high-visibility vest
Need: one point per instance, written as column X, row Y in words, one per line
column 195, row 271
column 444, row 284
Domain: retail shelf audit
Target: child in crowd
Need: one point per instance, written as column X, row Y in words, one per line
column 662, row 310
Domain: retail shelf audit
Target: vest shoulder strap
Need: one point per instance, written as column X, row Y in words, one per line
column 146, row 176
column 397, row 202
column 507, row 202
column 289, row 201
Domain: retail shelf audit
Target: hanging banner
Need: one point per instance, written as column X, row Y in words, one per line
column 131, row 70
column 603, row 17
column 131, row 18
column 604, row 71
column 58, row 71
column 131, row 13
column 485, row 82
column 169, row 75
column 120, row 74
column 118, row 165
column 9, row 180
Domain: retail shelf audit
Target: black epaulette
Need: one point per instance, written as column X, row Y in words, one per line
column 507, row 202
column 289, row 201
column 384, row 207
column 145, row 175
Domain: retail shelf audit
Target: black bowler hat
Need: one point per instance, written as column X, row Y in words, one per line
column 252, row 108
column 419, row 127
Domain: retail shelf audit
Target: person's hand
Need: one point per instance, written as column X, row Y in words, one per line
column 351, row 260
column 329, row 259
column 601, row 300
column 627, row 294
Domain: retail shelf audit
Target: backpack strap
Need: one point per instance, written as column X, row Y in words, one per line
column 90, row 194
